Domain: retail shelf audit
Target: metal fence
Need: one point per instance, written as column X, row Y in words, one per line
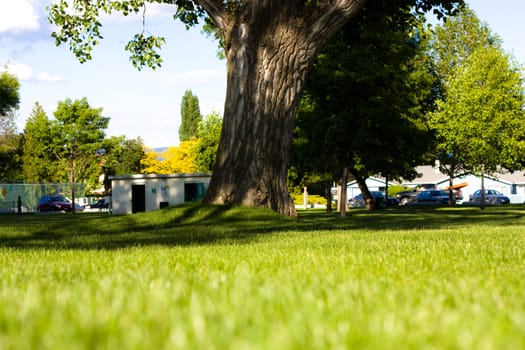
column 28, row 194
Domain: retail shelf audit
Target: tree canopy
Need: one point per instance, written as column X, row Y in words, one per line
column 208, row 134
column 119, row 156
column 456, row 39
column 180, row 159
column 10, row 167
column 483, row 115
column 479, row 122
column 367, row 115
column 79, row 130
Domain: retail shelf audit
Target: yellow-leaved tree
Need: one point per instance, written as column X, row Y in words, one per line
column 151, row 163
column 181, row 159
column 174, row 160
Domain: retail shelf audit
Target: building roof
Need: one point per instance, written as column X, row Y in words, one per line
column 517, row 177
column 157, row 176
column 429, row 174
column 432, row 175
column 373, row 179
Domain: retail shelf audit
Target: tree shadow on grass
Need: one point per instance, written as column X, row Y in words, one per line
column 195, row 224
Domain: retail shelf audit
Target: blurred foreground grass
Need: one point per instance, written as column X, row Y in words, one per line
column 215, row 278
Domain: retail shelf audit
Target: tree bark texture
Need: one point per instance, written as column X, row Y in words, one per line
column 269, row 46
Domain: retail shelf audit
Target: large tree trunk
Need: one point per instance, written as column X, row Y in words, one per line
column 269, row 47
column 252, row 159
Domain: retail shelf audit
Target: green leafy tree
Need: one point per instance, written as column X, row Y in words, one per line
column 10, row 152
column 483, row 115
column 130, row 156
column 190, row 116
column 453, row 44
column 8, row 124
column 9, row 93
column 39, row 162
column 366, row 117
column 82, row 131
column 10, row 157
column 269, row 47
column 455, row 40
column 312, row 162
column 120, row 156
column 208, row 135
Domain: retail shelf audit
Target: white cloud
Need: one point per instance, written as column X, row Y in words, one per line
column 22, row 71
column 25, row 73
column 18, row 16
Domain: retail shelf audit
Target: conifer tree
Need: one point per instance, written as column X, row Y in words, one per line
column 191, row 116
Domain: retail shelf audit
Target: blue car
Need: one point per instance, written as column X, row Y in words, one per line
column 491, row 197
column 432, row 197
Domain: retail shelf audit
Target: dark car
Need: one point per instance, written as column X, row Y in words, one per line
column 408, row 196
column 53, row 203
column 491, row 197
column 379, row 198
column 433, row 197
column 100, row 204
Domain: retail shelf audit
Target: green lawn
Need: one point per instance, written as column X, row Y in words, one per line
column 208, row 278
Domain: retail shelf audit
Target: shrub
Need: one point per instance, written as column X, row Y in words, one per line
column 312, row 199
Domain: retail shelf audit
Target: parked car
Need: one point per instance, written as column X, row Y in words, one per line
column 433, row 197
column 359, row 202
column 392, row 201
column 100, row 204
column 79, row 207
column 53, row 203
column 405, row 197
column 491, row 197
column 379, row 197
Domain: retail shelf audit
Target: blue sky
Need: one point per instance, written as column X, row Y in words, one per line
column 147, row 103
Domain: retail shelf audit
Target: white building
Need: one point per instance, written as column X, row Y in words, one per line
column 140, row 193
column 510, row 184
column 373, row 184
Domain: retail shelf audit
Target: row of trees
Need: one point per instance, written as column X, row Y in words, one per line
column 270, row 48
column 450, row 94
column 73, row 147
